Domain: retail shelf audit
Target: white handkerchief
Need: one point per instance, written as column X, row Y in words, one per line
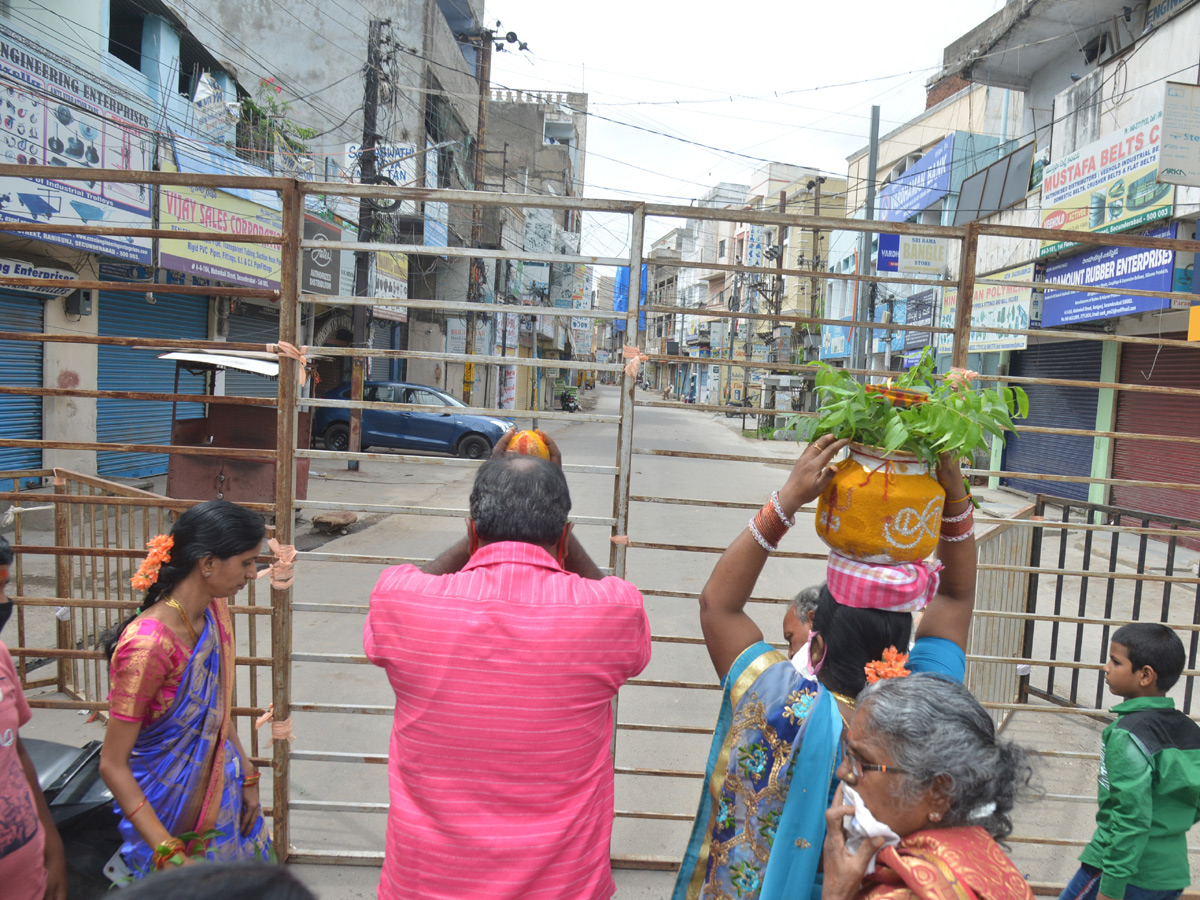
column 863, row 825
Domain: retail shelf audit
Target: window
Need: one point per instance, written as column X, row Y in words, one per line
column 125, row 32
column 721, row 249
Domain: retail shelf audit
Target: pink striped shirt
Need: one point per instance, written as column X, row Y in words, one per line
column 500, row 772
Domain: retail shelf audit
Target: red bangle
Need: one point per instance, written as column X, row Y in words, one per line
column 138, row 809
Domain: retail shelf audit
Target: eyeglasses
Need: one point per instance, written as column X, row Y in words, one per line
column 856, row 767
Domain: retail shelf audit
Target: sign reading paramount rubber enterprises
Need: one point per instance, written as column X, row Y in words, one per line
column 993, row 306
column 1110, row 185
column 1111, row 267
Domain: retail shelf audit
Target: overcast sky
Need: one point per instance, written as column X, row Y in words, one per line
column 787, row 81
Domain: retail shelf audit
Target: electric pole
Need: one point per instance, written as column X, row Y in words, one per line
column 862, row 305
column 366, row 228
column 476, row 266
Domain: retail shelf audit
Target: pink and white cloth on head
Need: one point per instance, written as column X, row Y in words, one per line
column 903, row 588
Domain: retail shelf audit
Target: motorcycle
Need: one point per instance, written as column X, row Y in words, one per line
column 82, row 807
column 567, row 402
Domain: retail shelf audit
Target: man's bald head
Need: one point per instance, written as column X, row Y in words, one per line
column 520, row 498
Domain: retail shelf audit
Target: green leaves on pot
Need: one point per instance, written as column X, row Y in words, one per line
column 917, row 413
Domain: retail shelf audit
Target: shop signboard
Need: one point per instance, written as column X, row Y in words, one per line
column 1110, row 185
column 17, row 268
column 456, row 335
column 922, row 184
column 320, row 266
column 835, row 341
column 1179, row 158
column 205, row 209
column 1113, row 267
column 918, row 254
column 389, row 280
column 56, row 113
column 754, row 246
column 437, row 215
column 993, row 305
column 919, row 309
column 395, row 161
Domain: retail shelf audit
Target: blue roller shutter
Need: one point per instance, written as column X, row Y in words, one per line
column 20, row 366
column 133, row 369
column 1052, row 406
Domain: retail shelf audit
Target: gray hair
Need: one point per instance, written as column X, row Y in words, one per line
column 520, row 498
column 806, row 601
column 937, row 732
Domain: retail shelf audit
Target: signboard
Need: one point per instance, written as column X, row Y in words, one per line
column 1194, row 324
column 997, row 305
column 923, row 184
column 919, row 309
column 754, row 246
column 395, row 161
column 508, row 387
column 437, row 215
column 56, row 113
column 1145, row 270
column 213, row 117
column 16, row 268
column 835, row 341
column 888, row 259
column 389, row 280
column 205, row 209
column 920, row 254
column 320, row 267
column 1179, row 158
column 1108, row 186
column 621, row 297
column 456, row 335
column 1158, row 12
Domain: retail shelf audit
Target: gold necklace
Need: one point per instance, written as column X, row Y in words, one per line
column 187, row 621
column 849, row 701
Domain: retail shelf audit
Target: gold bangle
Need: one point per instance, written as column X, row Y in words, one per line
column 966, row 496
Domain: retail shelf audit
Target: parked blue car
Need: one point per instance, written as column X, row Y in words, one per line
column 450, row 431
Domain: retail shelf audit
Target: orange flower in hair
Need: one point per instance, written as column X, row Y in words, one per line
column 891, row 666
column 160, row 552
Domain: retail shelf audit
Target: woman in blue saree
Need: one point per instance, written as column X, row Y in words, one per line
column 770, row 772
column 171, row 756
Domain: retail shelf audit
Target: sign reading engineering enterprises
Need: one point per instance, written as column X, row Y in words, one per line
column 1110, row 185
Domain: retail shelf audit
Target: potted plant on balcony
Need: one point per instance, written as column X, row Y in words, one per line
column 884, row 505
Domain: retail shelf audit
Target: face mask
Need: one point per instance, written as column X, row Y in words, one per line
column 803, row 662
column 862, row 825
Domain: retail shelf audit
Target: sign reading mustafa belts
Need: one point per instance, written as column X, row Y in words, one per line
column 57, row 114
column 996, row 306
column 923, row 184
column 1128, row 267
column 1110, row 185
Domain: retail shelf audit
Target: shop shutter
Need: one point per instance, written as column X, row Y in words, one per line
column 1054, row 406
column 254, row 330
column 133, row 369
column 1142, row 413
column 379, row 368
column 20, row 366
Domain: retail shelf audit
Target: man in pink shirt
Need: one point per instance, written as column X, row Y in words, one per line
column 504, row 653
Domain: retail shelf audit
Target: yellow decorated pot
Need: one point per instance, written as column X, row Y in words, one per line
column 881, row 508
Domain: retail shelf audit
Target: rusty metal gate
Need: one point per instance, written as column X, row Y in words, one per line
column 326, row 787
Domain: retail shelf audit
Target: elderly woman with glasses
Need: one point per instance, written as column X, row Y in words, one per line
column 926, row 791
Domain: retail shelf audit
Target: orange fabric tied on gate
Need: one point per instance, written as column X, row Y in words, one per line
column 291, row 351
column 636, row 357
column 280, row 731
column 281, row 570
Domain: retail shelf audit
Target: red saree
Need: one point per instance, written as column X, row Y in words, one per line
column 945, row 864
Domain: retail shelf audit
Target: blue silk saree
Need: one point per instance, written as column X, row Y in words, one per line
column 775, row 726
column 186, row 764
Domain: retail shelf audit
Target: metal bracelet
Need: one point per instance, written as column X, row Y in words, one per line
column 757, row 535
column 779, row 510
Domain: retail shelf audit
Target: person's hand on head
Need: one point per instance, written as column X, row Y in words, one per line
column 811, row 474
column 844, row 871
column 555, row 453
column 505, row 439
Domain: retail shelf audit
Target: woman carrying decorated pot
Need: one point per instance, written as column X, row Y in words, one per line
column 770, row 773
column 183, row 785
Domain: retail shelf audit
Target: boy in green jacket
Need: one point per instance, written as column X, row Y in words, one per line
column 1149, row 791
